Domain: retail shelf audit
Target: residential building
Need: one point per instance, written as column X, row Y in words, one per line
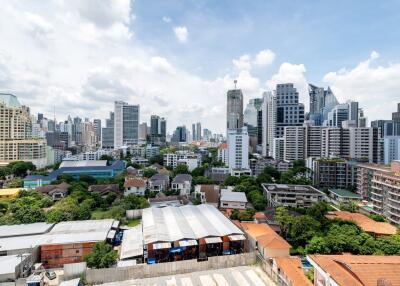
column 294, row 143
column 105, row 190
column 162, row 201
column 107, row 133
column 222, row 154
column 268, row 122
column 126, row 124
column 209, row 194
column 290, row 271
column 55, row 192
column 385, row 193
column 143, row 131
column 159, row 183
column 238, row 149
column 179, row 135
column 367, row 224
column 135, row 185
column 262, row 237
column 365, row 174
column 396, row 115
column 343, row 112
column 297, row 196
column 16, row 141
column 234, row 111
column 218, row 174
column 278, row 151
column 391, row 147
column 182, row 183
column 97, row 129
column 355, row 270
column 343, row 196
column 333, row 173
column 232, row 200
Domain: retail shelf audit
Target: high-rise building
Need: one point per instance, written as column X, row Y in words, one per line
column 321, row 103
column 97, row 128
column 343, row 112
column 268, row 122
column 294, row 143
column 179, row 135
column 396, row 115
column 107, row 134
column 16, row 142
column 391, row 145
column 143, row 131
column 198, row 131
column 234, row 111
column 158, row 130
column 194, row 134
column 278, row 149
column 126, row 124
column 238, row 149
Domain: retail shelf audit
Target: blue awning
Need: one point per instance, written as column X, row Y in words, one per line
column 175, row 249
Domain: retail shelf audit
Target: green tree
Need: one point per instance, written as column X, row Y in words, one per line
column 159, row 159
column 284, row 220
column 247, row 215
column 303, row 228
column 198, row 172
column 202, row 181
column 181, row 169
column 106, row 157
column 231, row 181
column 258, row 200
column 102, row 256
column 234, row 214
column 20, row 168
column 317, row 245
column 149, row 172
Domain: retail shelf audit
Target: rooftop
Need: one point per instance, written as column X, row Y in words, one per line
column 8, row 263
column 171, row 224
column 135, row 182
column 132, row 244
column 181, row 178
column 9, row 100
column 230, row 196
column 83, row 163
column 9, row 192
column 345, row 193
column 25, row 229
column 265, row 235
column 364, row 222
column 211, row 193
column 304, row 189
column 291, row 267
column 359, row 270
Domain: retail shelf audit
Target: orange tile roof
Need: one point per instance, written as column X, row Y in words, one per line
column 260, row 215
column 265, row 235
column 134, row 182
column 360, row 270
column 291, row 268
column 364, row 222
column 223, row 146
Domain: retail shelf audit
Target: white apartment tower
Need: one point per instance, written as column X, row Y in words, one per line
column 238, row 152
column 126, row 124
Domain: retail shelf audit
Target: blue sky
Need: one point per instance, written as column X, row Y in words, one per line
column 177, row 59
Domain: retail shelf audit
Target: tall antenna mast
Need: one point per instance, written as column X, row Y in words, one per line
column 235, row 82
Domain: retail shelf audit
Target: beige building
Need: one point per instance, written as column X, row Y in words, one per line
column 16, row 142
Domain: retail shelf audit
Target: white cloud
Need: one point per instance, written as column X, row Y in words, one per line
column 375, row 87
column 264, row 58
column 243, row 63
column 161, row 64
column 181, row 33
column 166, row 19
column 292, row 73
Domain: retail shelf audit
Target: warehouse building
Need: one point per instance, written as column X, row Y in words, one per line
column 69, row 241
column 189, row 232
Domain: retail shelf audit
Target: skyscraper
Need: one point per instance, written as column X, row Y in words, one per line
column 234, row 112
column 238, row 149
column 396, row 115
column 107, row 134
column 268, row 123
column 179, row 135
column 97, row 128
column 158, row 130
column 321, row 103
column 126, row 124
column 198, row 131
column 143, row 131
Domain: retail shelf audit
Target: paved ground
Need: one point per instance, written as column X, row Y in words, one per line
column 236, row 276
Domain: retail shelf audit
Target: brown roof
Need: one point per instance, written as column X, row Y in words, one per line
column 260, row 215
column 104, row 189
column 48, row 188
column 211, row 192
column 360, row 270
column 223, row 146
column 265, row 235
column 364, row 222
column 292, row 269
column 134, row 182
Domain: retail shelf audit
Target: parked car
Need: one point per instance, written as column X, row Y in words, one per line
column 51, row 274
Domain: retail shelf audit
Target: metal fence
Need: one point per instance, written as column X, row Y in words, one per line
column 97, row 276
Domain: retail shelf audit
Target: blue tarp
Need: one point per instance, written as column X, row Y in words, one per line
column 175, row 249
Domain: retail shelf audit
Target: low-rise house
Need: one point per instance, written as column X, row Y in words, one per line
column 8, row 194
column 131, row 171
column 355, row 270
column 340, row 196
column 105, row 190
column 290, row 271
column 218, row 174
column 262, row 237
column 297, row 196
column 365, row 223
column 55, row 192
column 14, row 266
column 161, row 201
column 183, row 184
column 232, row 200
column 209, row 194
column 159, row 183
column 136, row 186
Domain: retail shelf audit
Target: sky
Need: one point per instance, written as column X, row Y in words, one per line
column 178, row 58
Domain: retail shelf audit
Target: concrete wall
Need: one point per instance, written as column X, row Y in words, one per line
column 97, row 276
column 133, row 214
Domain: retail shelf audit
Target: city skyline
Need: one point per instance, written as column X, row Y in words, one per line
column 174, row 62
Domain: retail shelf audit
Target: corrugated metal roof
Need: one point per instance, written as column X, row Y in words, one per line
column 187, row 222
column 132, row 244
column 8, row 263
column 230, row 196
column 25, row 229
column 83, row 163
column 20, row 242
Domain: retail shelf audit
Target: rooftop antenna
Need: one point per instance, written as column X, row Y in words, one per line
column 235, row 82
